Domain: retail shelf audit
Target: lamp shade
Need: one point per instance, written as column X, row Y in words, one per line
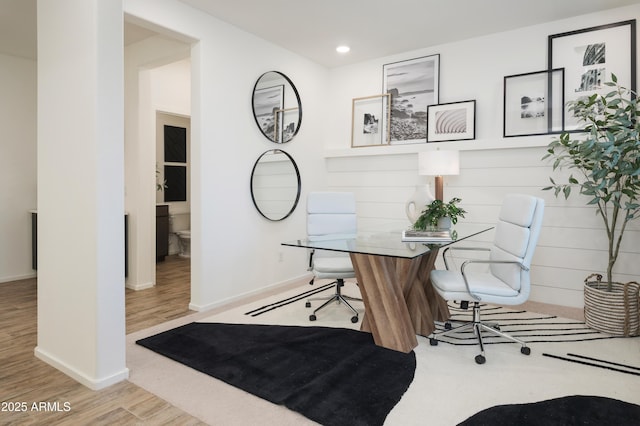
column 438, row 163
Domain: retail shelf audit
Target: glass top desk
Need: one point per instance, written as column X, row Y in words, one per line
column 393, row 277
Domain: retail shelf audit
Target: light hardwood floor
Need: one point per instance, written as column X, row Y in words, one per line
column 25, row 379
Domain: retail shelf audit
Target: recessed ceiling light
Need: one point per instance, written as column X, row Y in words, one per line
column 343, row 49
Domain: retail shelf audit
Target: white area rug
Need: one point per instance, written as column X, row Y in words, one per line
column 448, row 386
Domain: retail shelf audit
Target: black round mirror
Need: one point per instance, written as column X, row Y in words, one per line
column 276, row 107
column 275, row 184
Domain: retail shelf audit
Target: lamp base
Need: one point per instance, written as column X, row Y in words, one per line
column 420, row 198
column 438, row 185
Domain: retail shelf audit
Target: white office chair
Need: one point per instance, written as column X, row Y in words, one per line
column 507, row 280
column 331, row 215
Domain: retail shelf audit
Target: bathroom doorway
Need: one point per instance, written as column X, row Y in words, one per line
column 173, row 187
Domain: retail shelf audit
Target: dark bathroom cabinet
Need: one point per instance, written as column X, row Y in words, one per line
column 162, row 232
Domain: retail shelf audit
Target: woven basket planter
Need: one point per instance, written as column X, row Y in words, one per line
column 615, row 312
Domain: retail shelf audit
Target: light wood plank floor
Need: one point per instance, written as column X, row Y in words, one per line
column 26, row 379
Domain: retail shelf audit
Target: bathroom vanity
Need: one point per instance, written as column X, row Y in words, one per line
column 162, row 231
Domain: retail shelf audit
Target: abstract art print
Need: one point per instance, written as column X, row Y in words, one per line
column 589, row 57
column 370, row 120
column 534, row 103
column 413, row 86
column 454, row 121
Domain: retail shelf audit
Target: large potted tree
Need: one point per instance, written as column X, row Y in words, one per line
column 605, row 165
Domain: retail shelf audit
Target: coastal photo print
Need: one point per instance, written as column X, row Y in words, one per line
column 267, row 102
column 533, row 103
column 589, row 57
column 370, row 121
column 413, row 85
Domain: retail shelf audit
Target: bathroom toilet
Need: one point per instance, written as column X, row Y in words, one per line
column 185, row 243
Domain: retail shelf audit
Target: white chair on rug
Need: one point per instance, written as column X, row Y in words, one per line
column 507, row 280
column 331, row 215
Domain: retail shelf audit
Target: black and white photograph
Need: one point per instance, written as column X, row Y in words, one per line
column 266, row 103
column 532, row 106
column 590, row 56
column 370, row 121
column 413, row 86
column 370, row 124
column 533, row 103
column 453, row 121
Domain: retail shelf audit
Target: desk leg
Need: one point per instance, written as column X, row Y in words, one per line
column 387, row 315
column 399, row 299
column 425, row 305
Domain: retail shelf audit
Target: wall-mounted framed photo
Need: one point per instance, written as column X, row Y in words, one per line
column 413, row 85
column 455, row 121
column 370, row 120
column 534, row 103
column 589, row 56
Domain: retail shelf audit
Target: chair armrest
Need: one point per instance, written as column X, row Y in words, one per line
column 467, row 262
column 444, row 253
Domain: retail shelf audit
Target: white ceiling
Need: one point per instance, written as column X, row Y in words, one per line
column 377, row 28
column 313, row 28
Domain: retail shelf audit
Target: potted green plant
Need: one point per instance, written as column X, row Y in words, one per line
column 606, row 162
column 440, row 215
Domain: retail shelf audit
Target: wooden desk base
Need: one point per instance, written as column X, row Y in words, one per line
column 398, row 298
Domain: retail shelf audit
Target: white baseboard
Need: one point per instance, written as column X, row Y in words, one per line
column 18, row 277
column 246, row 297
column 137, row 287
column 91, row 383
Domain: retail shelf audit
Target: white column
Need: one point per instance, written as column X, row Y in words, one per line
column 81, row 317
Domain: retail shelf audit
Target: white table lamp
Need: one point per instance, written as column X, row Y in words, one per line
column 438, row 163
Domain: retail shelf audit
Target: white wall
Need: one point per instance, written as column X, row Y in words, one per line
column 573, row 242
column 17, row 165
column 234, row 250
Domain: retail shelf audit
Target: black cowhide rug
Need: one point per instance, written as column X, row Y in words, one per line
column 565, row 411
column 333, row 376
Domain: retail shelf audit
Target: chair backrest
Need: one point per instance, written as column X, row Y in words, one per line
column 516, row 236
column 331, row 215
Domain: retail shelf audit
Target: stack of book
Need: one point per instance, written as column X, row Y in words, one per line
column 431, row 236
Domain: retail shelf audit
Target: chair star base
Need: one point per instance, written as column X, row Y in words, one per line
column 337, row 297
column 478, row 326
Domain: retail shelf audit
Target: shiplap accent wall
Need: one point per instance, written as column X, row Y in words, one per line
column 572, row 244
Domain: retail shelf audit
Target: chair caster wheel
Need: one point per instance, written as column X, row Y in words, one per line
column 354, row 319
column 308, row 304
column 525, row 350
column 480, row 359
column 433, row 342
column 447, row 326
column 312, row 317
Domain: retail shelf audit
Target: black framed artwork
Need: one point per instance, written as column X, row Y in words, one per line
column 413, row 85
column 455, row 121
column 533, row 103
column 589, row 56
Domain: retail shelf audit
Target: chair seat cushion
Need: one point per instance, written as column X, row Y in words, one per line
column 450, row 285
column 333, row 267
